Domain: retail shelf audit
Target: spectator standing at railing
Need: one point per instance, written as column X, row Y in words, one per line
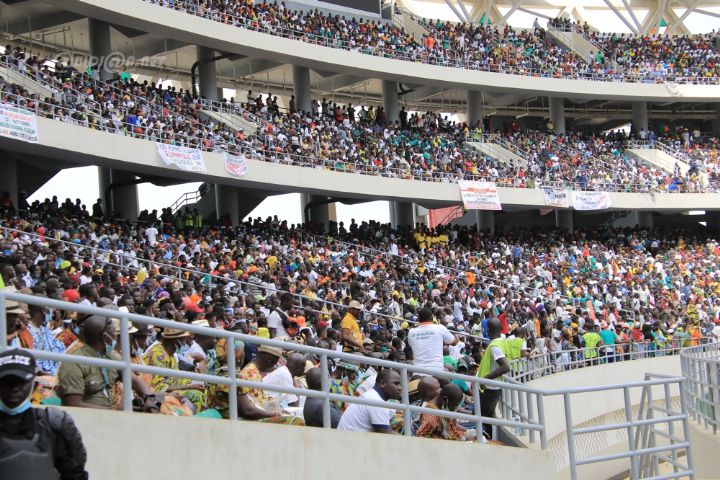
column 35, row 443
column 493, row 365
column 427, row 340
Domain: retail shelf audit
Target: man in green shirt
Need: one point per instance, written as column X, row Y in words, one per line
column 91, row 387
column 593, row 342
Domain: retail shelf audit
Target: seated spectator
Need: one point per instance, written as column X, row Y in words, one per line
column 364, row 418
column 313, row 408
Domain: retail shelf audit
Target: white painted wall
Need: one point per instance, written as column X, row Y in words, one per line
column 123, row 446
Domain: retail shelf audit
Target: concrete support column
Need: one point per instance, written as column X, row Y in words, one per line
column 227, row 201
column 485, row 221
column 391, row 100
column 640, row 116
column 207, row 73
column 565, row 220
column 122, row 196
column 712, row 220
column 474, row 108
column 100, row 47
column 557, row 114
column 320, row 212
column 402, row 214
column 716, row 120
column 644, row 219
column 301, row 88
column 9, row 179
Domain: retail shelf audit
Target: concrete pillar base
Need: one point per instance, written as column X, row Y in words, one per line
column 644, row 219
column 640, row 117
column 391, row 100
column 9, row 180
column 564, row 220
column 301, row 88
column 402, row 214
column 100, row 48
column 557, row 114
column 118, row 191
column 318, row 211
column 485, row 221
column 227, row 202
column 474, row 108
column 207, row 74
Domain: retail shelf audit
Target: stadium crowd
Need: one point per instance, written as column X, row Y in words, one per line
column 644, row 58
column 339, row 137
column 592, row 295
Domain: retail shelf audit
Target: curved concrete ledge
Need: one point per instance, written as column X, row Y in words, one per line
column 188, row 28
column 123, row 445
column 82, row 146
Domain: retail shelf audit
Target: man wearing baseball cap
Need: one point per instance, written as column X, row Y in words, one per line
column 34, row 442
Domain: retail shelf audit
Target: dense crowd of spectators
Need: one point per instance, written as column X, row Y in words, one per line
column 340, row 137
column 647, row 58
column 555, row 290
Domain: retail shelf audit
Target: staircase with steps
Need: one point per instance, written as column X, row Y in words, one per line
column 573, row 41
column 25, row 79
column 661, row 156
column 409, row 23
column 235, row 117
column 495, row 147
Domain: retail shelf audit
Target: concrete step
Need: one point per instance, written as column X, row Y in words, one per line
column 502, row 154
column 235, row 122
column 573, row 41
column 13, row 76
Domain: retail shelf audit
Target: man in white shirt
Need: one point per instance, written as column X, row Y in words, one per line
column 364, row 418
column 279, row 317
column 427, row 341
column 284, row 377
column 151, row 233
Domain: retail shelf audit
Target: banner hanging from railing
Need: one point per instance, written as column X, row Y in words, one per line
column 591, row 200
column 479, row 195
column 556, row 197
column 184, row 158
column 18, row 124
column 236, row 165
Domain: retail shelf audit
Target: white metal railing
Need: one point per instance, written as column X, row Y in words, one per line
column 701, row 368
column 533, row 420
column 446, row 57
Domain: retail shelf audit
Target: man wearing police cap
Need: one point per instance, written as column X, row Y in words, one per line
column 34, row 442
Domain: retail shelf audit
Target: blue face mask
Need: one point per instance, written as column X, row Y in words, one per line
column 48, row 316
column 17, row 410
column 76, row 330
column 182, row 349
column 109, row 348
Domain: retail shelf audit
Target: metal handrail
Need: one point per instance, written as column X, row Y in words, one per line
column 192, row 8
column 534, row 419
column 701, row 367
column 128, row 367
column 531, row 368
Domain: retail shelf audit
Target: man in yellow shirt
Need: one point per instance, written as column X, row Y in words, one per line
column 351, row 336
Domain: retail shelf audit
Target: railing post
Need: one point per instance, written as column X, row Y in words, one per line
column 407, row 414
column 541, row 421
column 477, row 411
column 686, row 428
column 325, row 385
column 232, row 375
column 632, row 446
column 570, row 436
column 126, row 373
column 3, row 323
